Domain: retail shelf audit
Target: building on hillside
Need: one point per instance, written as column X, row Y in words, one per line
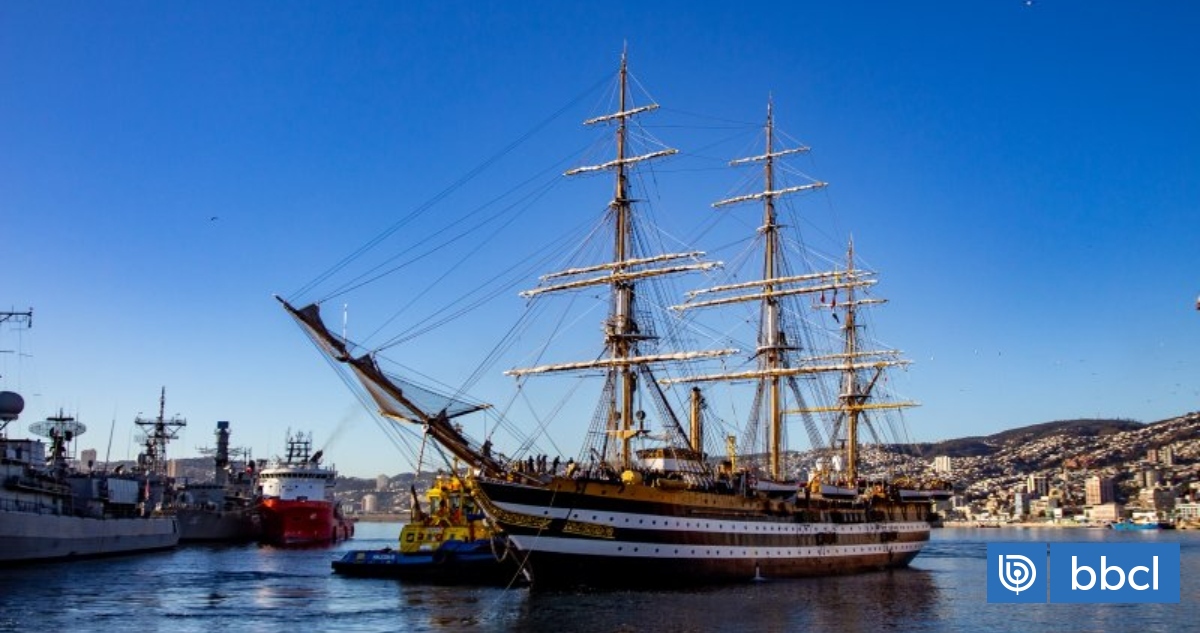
column 1160, row 499
column 1187, row 511
column 1163, row 456
column 1045, row 507
column 1020, row 505
column 1105, row 512
column 941, row 464
column 1098, row 491
column 1037, row 486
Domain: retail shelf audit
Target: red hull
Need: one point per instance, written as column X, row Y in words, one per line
column 302, row 523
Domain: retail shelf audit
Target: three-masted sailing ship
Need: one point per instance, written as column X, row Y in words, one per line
column 646, row 508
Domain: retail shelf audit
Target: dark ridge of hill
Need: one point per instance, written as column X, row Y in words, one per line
column 978, row 446
column 1082, row 427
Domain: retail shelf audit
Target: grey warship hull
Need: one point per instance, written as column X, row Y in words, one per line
column 29, row 536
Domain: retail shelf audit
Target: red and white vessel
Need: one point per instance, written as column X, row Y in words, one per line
column 298, row 505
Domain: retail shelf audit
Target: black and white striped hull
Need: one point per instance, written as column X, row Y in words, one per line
column 599, row 534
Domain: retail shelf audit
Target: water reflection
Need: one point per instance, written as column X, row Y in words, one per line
column 859, row 603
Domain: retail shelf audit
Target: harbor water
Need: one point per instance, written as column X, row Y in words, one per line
column 257, row 588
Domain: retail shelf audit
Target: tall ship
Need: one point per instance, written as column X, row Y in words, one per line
column 225, row 507
column 298, row 506
column 54, row 507
column 658, row 496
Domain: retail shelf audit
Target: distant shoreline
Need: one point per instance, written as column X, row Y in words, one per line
column 382, row 517
column 979, row 525
column 1028, row 524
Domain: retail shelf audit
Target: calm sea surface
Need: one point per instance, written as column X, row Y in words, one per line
column 252, row 588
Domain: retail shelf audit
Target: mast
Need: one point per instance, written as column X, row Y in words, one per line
column 851, row 399
column 770, row 309
column 776, row 355
column 13, row 403
column 697, row 427
column 621, row 328
column 772, row 343
column 622, row 361
column 158, row 432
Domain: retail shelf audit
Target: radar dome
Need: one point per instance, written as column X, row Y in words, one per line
column 11, row 405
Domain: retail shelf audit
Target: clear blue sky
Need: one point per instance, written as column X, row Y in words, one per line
column 1024, row 177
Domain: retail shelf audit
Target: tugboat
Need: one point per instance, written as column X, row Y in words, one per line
column 298, row 506
column 449, row 544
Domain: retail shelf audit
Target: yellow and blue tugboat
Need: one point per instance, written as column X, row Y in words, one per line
column 451, row 543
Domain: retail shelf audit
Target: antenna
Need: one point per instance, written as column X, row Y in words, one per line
column 11, row 403
column 111, row 429
column 157, row 432
column 18, row 318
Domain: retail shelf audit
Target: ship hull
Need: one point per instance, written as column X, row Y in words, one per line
column 230, row 526
column 454, row 563
column 27, row 537
column 291, row 522
column 553, row 571
column 601, row 534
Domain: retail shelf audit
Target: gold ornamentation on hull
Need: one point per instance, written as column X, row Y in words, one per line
column 504, row 517
column 589, row 529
